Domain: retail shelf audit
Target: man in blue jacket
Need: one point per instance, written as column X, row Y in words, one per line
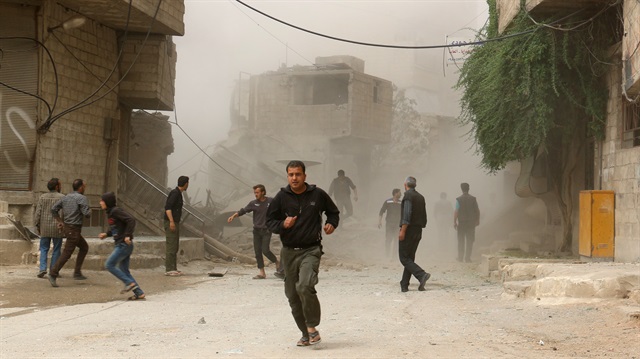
column 121, row 227
column 296, row 215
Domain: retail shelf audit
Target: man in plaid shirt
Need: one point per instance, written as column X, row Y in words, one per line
column 47, row 226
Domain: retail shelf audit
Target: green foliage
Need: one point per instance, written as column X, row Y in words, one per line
column 534, row 90
column 409, row 133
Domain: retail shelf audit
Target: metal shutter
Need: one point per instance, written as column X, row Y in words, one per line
column 18, row 112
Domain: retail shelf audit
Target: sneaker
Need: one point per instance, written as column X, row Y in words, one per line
column 423, row 281
column 79, row 277
column 52, row 280
column 41, row 274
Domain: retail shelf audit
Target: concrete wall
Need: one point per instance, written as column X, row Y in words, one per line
column 621, row 173
column 149, row 81
column 371, row 120
column 75, row 146
column 507, row 11
column 630, row 52
column 85, row 142
column 113, row 13
column 273, row 106
column 150, row 142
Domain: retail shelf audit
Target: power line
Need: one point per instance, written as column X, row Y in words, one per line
column 385, row 45
column 45, row 126
column 53, row 64
column 175, row 114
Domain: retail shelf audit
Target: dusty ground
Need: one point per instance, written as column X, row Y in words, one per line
column 461, row 315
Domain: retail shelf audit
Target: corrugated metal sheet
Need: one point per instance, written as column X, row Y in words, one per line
column 18, row 111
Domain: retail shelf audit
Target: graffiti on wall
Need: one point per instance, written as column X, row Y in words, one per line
column 17, row 142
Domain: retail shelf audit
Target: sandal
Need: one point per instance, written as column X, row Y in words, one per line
column 173, row 273
column 258, row 276
column 314, row 338
column 136, row 297
column 129, row 288
column 303, row 342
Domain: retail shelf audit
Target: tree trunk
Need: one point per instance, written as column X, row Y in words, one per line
column 562, row 161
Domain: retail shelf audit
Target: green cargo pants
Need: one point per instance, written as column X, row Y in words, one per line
column 301, row 275
column 172, row 246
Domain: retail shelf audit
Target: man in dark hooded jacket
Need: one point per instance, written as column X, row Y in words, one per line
column 296, row 215
column 121, row 226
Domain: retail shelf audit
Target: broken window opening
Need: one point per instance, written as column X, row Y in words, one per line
column 375, row 93
column 631, row 124
column 321, row 90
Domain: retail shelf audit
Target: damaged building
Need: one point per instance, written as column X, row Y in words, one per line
column 72, row 73
column 329, row 115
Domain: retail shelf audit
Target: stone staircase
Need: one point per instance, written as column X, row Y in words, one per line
column 563, row 278
column 7, row 230
column 149, row 252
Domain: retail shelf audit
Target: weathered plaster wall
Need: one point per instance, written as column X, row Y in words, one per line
column 621, row 173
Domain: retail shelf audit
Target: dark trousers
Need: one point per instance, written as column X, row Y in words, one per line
column 172, row 246
column 407, row 251
column 466, row 236
column 74, row 239
column 345, row 204
column 391, row 239
column 301, row 268
column 261, row 243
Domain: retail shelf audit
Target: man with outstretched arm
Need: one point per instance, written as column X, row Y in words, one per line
column 261, row 235
column 74, row 208
column 296, row 215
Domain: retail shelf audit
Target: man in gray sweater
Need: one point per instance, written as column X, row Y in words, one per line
column 75, row 207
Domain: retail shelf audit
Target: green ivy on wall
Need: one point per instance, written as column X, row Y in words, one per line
column 522, row 93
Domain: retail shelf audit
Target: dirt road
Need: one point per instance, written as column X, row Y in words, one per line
column 365, row 315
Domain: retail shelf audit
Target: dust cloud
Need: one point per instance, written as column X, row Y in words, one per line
column 226, row 45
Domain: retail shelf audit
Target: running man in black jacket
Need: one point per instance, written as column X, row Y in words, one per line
column 296, row 215
column 121, row 226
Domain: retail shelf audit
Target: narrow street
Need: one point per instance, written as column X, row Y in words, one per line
column 461, row 315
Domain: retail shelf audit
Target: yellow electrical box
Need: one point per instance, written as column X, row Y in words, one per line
column 597, row 224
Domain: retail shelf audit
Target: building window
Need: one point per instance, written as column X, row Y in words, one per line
column 321, row 90
column 376, row 99
column 631, row 124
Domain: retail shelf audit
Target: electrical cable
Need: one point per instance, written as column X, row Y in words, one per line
column 210, row 158
column 79, row 61
column 384, row 45
column 55, row 72
column 272, row 35
column 45, row 126
column 175, row 114
column 334, row 76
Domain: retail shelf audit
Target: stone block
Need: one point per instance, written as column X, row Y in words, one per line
column 519, row 271
column 488, row 264
column 13, row 251
column 7, row 230
column 520, row 289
